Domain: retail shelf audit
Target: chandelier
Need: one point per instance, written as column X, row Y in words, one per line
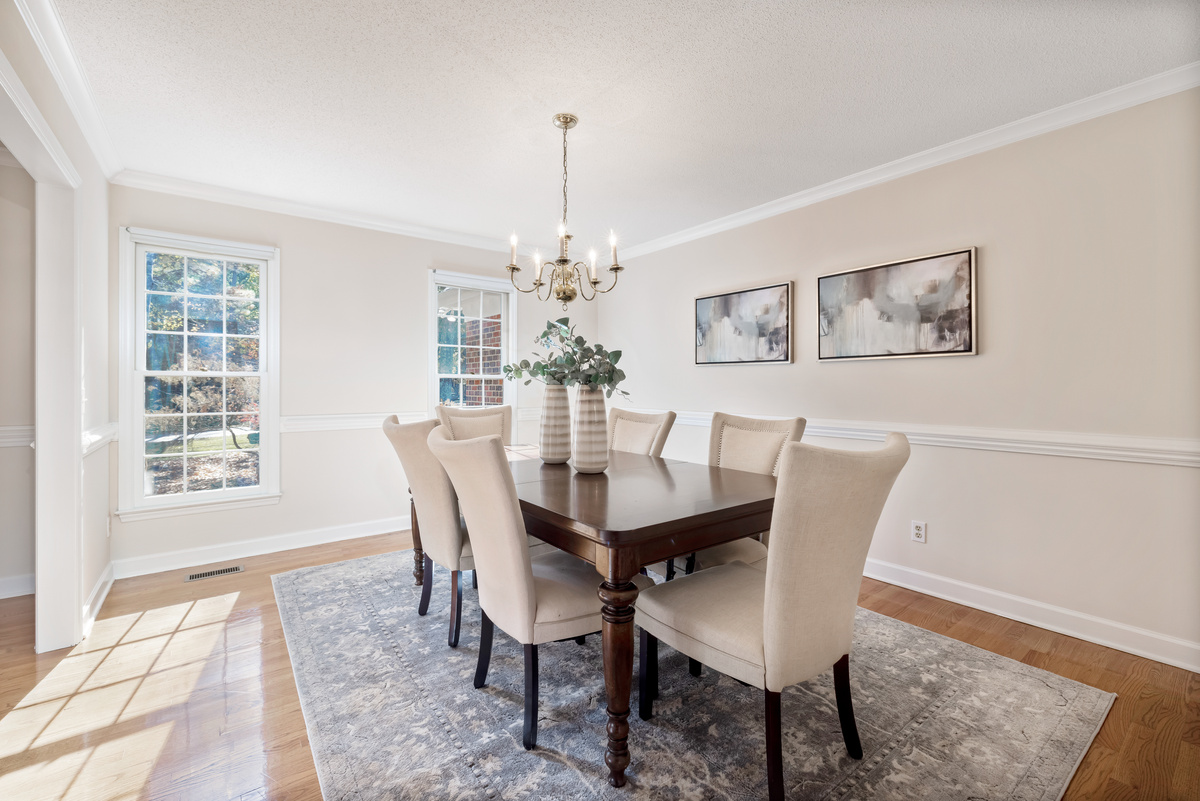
column 565, row 281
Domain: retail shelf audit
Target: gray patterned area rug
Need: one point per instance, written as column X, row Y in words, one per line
column 391, row 712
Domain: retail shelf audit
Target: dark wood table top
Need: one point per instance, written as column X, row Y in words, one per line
column 639, row 497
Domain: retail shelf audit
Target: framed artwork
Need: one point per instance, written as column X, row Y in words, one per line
column 751, row 325
column 915, row 307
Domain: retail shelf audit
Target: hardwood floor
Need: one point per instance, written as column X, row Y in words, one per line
column 185, row 691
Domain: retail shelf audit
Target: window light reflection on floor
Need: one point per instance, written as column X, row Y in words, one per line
column 96, row 724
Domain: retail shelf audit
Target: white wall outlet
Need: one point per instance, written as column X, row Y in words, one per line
column 918, row 531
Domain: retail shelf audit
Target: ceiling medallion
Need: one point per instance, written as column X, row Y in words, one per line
column 565, row 281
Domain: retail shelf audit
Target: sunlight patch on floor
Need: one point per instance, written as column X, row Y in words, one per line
column 96, row 724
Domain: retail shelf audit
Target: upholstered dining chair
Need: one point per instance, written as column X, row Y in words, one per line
column 443, row 533
column 792, row 622
column 534, row 600
column 468, row 423
column 753, row 445
column 637, row 432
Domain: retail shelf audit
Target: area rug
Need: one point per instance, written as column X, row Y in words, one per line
column 391, row 712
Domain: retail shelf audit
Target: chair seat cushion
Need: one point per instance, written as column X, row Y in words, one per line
column 714, row 616
column 747, row 551
column 568, row 604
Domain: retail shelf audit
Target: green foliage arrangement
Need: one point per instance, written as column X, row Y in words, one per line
column 571, row 361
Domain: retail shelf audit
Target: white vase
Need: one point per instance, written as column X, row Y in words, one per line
column 589, row 432
column 554, row 436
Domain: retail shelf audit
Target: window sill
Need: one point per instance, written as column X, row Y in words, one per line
column 177, row 510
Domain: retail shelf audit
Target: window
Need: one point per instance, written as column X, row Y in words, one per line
column 471, row 339
column 199, row 374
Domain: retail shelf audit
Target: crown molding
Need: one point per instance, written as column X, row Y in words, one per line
column 236, row 197
column 1122, row 97
column 50, row 34
column 31, row 138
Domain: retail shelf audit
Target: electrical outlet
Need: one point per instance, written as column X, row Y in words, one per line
column 918, row 531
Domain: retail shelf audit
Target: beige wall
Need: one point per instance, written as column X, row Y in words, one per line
column 16, row 367
column 91, row 247
column 353, row 338
column 1089, row 321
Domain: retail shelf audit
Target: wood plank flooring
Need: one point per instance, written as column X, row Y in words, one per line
column 185, row 691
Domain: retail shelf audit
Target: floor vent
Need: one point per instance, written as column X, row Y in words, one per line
column 210, row 573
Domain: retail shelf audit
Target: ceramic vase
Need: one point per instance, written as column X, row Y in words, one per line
column 554, row 436
column 589, row 432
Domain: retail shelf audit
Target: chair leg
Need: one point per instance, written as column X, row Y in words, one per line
column 531, row 697
column 689, row 567
column 841, row 688
column 694, row 667
column 474, row 579
column 774, row 746
column 670, row 569
column 647, row 675
column 426, row 587
column 455, row 606
column 581, row 640
column 485, row 649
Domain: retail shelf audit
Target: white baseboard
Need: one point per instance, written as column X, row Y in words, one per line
column 14, row 586
column 194, row 557
column 96, row 600
column 1131, row 639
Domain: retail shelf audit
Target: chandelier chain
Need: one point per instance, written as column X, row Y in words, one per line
column 564, row 219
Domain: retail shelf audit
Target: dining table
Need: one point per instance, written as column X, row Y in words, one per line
column 639, row 511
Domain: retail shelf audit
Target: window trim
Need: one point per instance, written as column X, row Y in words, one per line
column 509, row 328
column 131, row 504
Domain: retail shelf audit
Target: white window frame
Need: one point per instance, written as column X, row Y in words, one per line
column 508, row 329
column 132, row 503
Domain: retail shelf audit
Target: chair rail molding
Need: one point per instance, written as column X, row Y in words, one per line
column 96, row 438
column 16, row 436
column 1177, row 452
column 294, row 424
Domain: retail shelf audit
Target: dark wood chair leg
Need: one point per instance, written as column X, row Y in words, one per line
column 774, row 746
column 474, row 579
column 531, row 697
column 647, row 675
column 455, row 606
column 580, row 640
column 485, row 649
column 670, row 569
column 694, row 667
column 841, row 688
column 689, row 567
column 426, row 587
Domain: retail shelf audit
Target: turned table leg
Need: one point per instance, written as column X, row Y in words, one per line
column 418, row 552
column 618, row 595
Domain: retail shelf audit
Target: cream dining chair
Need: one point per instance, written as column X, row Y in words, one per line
column 637, row 432
column 443, row 534
column 469, row 423
column 791, row 622
column 534, row 600
column 753, row 445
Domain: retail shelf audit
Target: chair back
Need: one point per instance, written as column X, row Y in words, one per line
column 636, row 432
column 750, row 444
column 487, row 494
column 827, row 504
column 463, row 423
column 442, row 533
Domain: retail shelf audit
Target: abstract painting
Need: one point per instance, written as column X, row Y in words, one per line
column 916, row 307
column 752, row 325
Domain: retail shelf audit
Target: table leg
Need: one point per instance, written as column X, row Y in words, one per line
column 618, row 598
column 418, row 552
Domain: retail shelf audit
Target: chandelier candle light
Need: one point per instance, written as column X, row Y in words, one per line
column 565, row 281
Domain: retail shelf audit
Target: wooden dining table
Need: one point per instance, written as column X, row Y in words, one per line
column 641, row 510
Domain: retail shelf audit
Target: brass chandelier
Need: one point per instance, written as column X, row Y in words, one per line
column 565, row 281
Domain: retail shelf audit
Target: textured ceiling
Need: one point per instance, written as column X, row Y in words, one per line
column 438, row 113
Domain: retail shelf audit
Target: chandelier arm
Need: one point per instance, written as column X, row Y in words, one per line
column 512, row 275
column 548, row 284
column 615, row 275
column 580, row 272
